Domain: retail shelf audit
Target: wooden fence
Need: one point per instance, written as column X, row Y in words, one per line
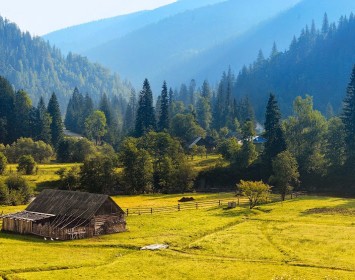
column 184, row 206
column 240, row 201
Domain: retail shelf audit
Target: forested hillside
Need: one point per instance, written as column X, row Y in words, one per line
column 31, row 64
column 141, row 45
column 317, row 64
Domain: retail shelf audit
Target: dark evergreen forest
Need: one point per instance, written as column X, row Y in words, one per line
column 317, row 63
column 33, row 65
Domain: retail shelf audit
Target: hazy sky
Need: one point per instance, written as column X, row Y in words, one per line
column 43, row 16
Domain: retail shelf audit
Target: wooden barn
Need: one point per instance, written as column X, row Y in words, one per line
column 65, row 215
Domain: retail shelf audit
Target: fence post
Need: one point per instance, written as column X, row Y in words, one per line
column 127, row 211
column 291, row 195
column 196, row 205
column 151, row 210
column 238, row 199
column 219, row 203
column 179, row 207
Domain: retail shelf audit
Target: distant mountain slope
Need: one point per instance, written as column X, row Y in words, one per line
column 318, row 63
column 33, row 65
column 171, row 34
column 86, row 36
column 241, row 50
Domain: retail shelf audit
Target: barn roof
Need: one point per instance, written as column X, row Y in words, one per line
column 68, row 203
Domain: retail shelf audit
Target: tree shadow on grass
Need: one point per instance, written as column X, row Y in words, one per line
column 21, row 237
column 48, row 185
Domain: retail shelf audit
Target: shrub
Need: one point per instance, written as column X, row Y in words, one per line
column 256, row 192
column 26, row 165
column 4, row 194
column 69, row 178
column 19, row 190
column 75, row 150
column 40, row 151
column 3, row 163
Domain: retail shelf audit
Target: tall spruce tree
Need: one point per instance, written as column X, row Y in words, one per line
column 203, row 107
column 7, row 100
column 348, row 118
column 163, row 123
column 44, row 120
column 276, row 142
column 74, row 116
column 130, row 115
column 23, row 107
column 145, row 119
column 57, row 123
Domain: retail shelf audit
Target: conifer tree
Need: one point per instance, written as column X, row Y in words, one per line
column 43, row 124
column 106, row 109
column 73, row 118
column 7, row 100
column 203, row 107
column 130, row 115
column 164, row 109
column 325, row 25
column 57, row 123
column 274, row 135
column 23, row 106
column 348, row 118
column 145, row 119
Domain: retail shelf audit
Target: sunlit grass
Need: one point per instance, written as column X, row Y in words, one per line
column 275, row 241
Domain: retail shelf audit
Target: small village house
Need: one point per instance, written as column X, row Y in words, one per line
column 65, row 215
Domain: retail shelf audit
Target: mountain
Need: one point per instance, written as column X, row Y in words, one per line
column 318, row 63
column 149, row 44
column 242, row 50
column 33, row 65
column 83, row 37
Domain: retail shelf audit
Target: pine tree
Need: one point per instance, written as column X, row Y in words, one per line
column 74, row 117
column 130, row 116
column 203, row 107
column 164, row 109
column 57, row 123
column 7, row 100
column 44, row 120
column 145, row 119
column 348, row 118
column 23, row 106
column 274, row 51
column 325, row 25
column 106, row 108
column 276, row 142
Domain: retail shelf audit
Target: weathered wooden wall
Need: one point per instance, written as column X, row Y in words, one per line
column 17, row 225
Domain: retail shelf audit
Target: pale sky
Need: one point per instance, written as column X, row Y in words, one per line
column 43, row 16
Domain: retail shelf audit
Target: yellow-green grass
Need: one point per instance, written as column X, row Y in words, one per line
column 305, row 238
column 46, row 175
column 202, row 163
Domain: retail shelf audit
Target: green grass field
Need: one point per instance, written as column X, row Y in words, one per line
column 45, row 176
column 305, row 238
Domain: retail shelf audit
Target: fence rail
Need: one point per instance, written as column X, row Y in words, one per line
column 183, row 206
column 240, row 201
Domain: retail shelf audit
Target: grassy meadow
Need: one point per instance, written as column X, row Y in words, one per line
column 305, row 238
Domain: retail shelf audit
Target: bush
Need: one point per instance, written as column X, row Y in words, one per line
column 26, row 165
column 69, row 178
column 256, row 192
column 3, row 163
column 40, row 151
column 4, row 194
column 75, row 150
column 19, row 190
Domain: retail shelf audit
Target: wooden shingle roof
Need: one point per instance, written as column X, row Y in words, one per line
column 68, row 203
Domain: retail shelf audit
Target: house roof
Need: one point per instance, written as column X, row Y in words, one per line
column 68, row 203
column 259, row 140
